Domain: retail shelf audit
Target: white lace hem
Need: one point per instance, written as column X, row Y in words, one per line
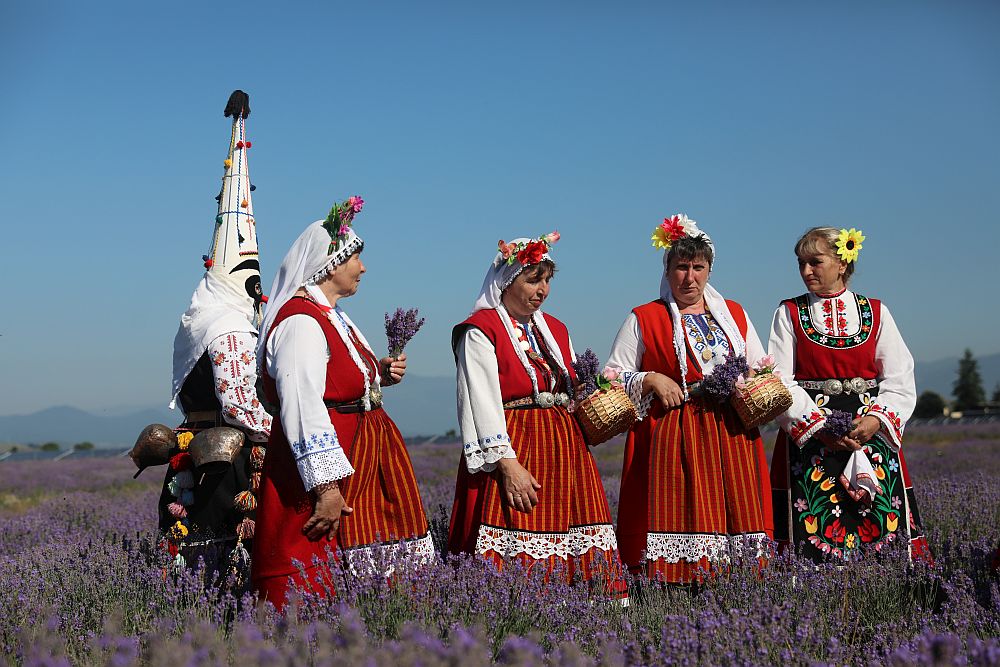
column 322, row 467
column 692, row 547
column 483, row 454
column 574, row 543
column 385, row 556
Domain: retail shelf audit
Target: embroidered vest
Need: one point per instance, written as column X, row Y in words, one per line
column 514, row 379
column 657, row 331
column 820, row 356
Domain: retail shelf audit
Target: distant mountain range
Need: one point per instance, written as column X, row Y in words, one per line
column 420, row 406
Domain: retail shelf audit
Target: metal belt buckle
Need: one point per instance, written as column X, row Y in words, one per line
column 375, row 397
column 857, row 385
column 833, row 387
column 546, row 399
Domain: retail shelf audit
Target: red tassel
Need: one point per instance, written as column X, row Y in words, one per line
column 182, row 461
column 209, row 263
column 239, row 145
column 249, row 144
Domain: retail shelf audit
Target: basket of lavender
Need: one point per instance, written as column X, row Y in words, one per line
column 762, row 396
column 606, row 410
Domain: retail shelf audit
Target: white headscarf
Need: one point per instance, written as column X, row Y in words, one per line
column 498, row 278
column 306, row 264
column 714, row 302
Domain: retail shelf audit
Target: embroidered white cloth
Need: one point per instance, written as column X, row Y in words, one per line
column 296, row 357
column 234, row 368
column 628, row 349
column 897, row 392
column 218, row 306
column 692, row 547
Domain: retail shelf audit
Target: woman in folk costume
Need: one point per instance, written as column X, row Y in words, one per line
column 337, row 472
column 694, row 488
column 527, row 486
column 839, row 477
column 215, row 373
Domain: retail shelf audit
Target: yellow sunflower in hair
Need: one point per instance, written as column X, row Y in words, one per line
column 849, row 243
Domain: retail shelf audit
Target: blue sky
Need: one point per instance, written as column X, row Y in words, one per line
column 462, row 123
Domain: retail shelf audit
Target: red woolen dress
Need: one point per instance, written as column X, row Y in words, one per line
column 571, row 525
column 694, row 486
column 382, row 490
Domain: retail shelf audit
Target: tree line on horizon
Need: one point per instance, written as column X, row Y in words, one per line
column 967, row 392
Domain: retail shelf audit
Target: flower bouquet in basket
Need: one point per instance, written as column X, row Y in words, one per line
column 605, row 409
column 761, row 396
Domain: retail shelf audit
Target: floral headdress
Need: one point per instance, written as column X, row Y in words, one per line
column 525, row 252
column 849, row 243
column 673, row 229
column 338, row 223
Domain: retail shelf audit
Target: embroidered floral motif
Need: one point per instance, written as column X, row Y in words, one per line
column 805, row 426
column 887, row 417
column 831, row 339
column 483, row 454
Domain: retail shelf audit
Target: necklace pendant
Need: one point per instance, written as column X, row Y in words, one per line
column 706, row 354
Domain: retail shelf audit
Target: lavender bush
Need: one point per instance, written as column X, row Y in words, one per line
column 82, row 581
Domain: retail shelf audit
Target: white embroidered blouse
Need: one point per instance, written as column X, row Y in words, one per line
column 234, row 370
column 297, row 356
column 840, row 316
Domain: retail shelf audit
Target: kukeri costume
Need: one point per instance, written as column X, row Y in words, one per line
column 215, row 375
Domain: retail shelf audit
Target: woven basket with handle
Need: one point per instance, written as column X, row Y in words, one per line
column 763, row 398
column 605, row 414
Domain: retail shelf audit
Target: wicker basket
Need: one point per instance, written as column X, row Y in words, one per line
column 763, row 398
column 605, row 414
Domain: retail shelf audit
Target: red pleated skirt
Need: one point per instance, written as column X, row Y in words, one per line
column 383, row 492
column 570, row 528
column 694, row 492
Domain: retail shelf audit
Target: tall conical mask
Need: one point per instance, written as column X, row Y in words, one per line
column 234, row 255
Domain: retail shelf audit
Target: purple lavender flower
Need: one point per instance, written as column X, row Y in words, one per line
column 720, row 382
column 838, row 423
column 401, row 328
column 587, row 365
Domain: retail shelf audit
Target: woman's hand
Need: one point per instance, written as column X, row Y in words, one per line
column 865, row 428
column 519, row 487
column 325, row 519
column 393, row 369
column 669, row 392
column 844, row 442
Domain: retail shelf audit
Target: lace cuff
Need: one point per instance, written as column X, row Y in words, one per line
column 320, row 459
column 633, row 387
column 482, row 455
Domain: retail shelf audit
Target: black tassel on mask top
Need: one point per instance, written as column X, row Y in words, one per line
column 239, row 103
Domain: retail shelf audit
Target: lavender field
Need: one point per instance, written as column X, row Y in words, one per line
column 82, row 582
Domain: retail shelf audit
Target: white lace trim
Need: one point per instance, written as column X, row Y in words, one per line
column 386, row 555
column 633, row 387
column 324, row 466
column 574, row 543
column 692, row 547
column 482, row 455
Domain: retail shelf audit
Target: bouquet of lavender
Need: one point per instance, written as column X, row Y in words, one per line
column 400, row 329
column 720, row 382
column 838, row 423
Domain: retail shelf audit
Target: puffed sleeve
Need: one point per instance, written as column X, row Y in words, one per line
column 803, row 419
column 297, row 356
column 897, row 392
column 626, row 356
column 234, row 368
column 480, row 403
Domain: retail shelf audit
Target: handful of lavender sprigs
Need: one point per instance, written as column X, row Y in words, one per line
column 838, row 423
column 400, row 329
column 720, row 382
column 587, row 366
